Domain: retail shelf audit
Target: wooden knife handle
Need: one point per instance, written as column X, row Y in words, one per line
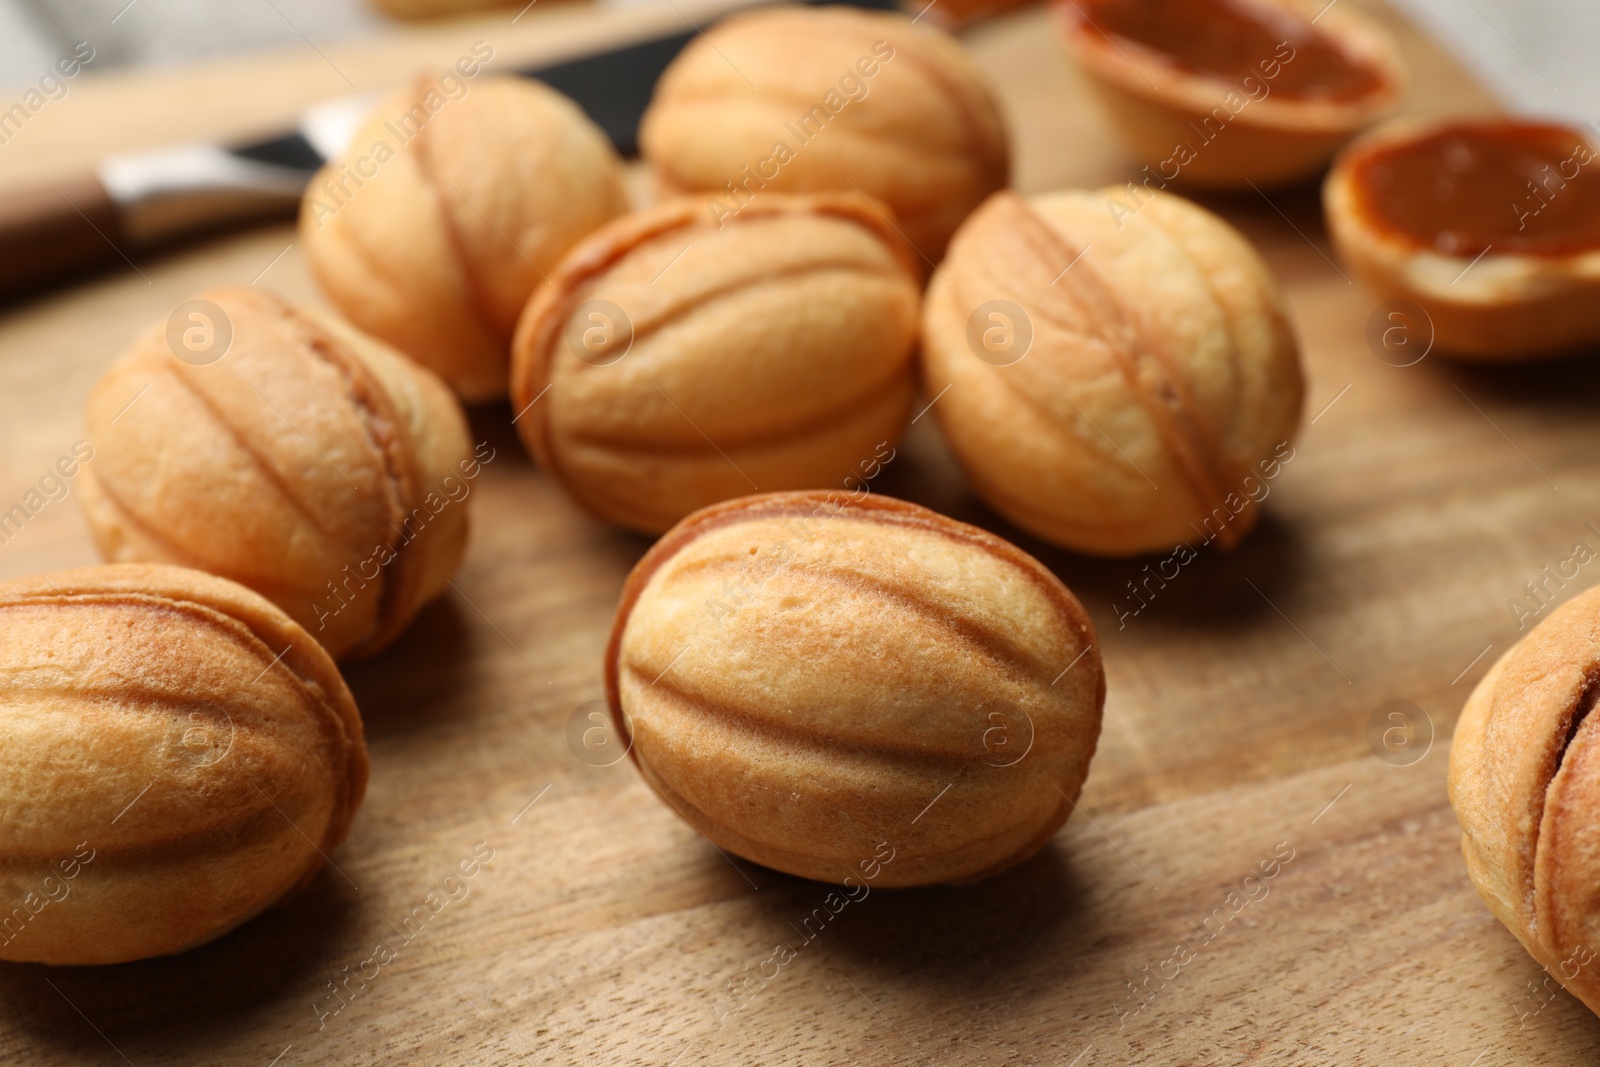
column 56, row 228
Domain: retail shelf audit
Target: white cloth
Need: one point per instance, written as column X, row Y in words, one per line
column 156, row 32
column 1537, row 56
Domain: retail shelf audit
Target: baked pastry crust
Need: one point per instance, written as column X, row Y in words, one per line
column 178, row 756
column 1525, row 785
column 438, row 249
column 1272, row 140
column 900, row 653
column 771, row 352
column 925, row 135
column 1162, row 371
column 1498, row 308
column 309, row 463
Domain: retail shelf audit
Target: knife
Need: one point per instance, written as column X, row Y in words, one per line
column 144, row 201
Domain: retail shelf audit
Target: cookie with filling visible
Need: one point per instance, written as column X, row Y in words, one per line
column 1230, row 93
column 1491, row 227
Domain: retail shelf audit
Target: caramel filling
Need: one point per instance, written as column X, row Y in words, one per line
column 1240, row 42
column 1515, row 187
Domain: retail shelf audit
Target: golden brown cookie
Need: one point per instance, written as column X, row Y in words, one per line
column 451, row 204
column 1116, row 376
column 856, row 689
column 1525, row 785
column 1226, row 93
column 1491, row 227
column 177, row 756
column 795, row 100
column 304, row 460
column 671, row 363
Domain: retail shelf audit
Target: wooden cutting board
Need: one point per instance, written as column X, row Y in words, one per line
column 1246, row 881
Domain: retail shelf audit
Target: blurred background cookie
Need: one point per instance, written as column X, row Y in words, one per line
column 1226, row 93
column 455, row 198
column 1491, row 227
column 791, row 99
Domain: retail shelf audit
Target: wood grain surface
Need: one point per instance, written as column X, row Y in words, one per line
column 1246, row 882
